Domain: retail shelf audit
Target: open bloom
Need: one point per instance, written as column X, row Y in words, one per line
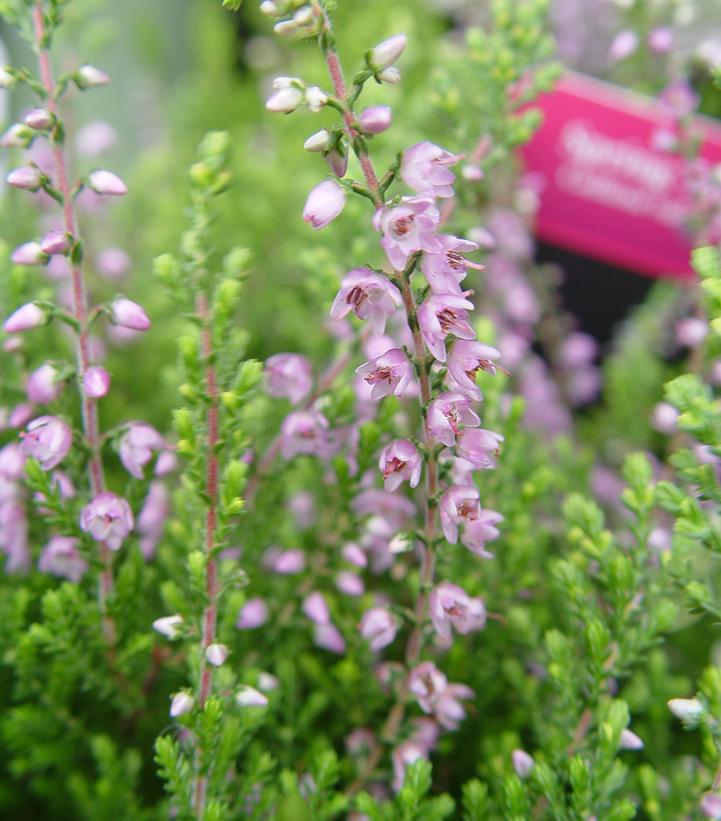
column 446, row 413
column 388, row 373
column 435, row 695
column 137, row 445
column 465, row 359
column 450, row 606
column 400, row 461
column 460, row 504
column 60, row 557
column 480, row 447
column 288, row 375
column 304, row 432
column 407, row 228
column 425, row 169
column 447, row 268
column 324, row 203
column 443, row 314
column 483, row 529
column 47, row 439
column 369, row 295
column 379, row 627
column 107, row 518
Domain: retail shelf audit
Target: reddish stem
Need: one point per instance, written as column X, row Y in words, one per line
column 89, row 406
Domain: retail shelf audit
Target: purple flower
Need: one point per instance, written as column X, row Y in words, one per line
column 660, row 40
column 480, row 447
column 316, row 609
column 483, row 529
column 60, row 557
column 391, row 372
column 349, row 583
column 447, row 268
column 12, row 462
column 379, row 627
column 407, row 228
column 26, row 317
column 47, row 439
column 353, row 554
column 623, row 45
column 680, row 98
column 446, row 413
column 443, row 314
column 28, row 178
column 523, row 763
column 375, row 119
column 369, row 295
column 29, row 253
column 43, row 385
column 387, row 52
column 465, row 359
column 577, row 350
column 107, row 518
column 96, row 382
column 285, row 562
column 710, row 805
column 137, row 445
column 128, row 314
column 399, row 462
column 435, row 695
column 324, row 203
column 424, row 168
column 329, row 638
column 288, row 375
column 630, row 741
column 106, row 183
column 450, row 606
column 55, row 242
column 304, row 432
column 460, row 504
column 254, row 613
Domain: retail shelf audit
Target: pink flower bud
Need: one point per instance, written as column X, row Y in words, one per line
column 47, row 439
column 112, row 263
column 623, row 45
column 353, row 554
column 43, row 385
column 711, row 805
column 523, row 763
column 316, row 608
column 90, row 77
column 168, row 626
column 95, row 138
column 630, row 741
column 216, row 654
column 181, row 704
column 329, row 638
column 17, row 136
column 106, row 183
column 96, row 382
column 39, row 119
column 250, row 697
column 254, row 613
column 375, row 119
column 664, row 418
column 387, row 52
column 324, row 203
column 128, row 314
column 107, row 518
column 21, row 415
column 29, row 253
column 55, row 242
column 267, row 682
column 349, row 583
column 379, row 627
column 28, row 177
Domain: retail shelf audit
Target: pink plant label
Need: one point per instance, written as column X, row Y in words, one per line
column 606, row 189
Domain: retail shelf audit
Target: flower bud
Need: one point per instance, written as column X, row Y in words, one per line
column 324, row 203
column 630, row 741
column 623, row 45
column 286, row 28
column 128, row 314
column 26, row 317
column 268, row 7
column 689, row 710
column 55, row 242
column 29, row 253
column 90, row 77
column 387, row 52
column 523, row 763
column 106, row 183
column 254, row 613
column 28, row 177
column 316, row 609
column 216, row 654
column 181, row 704
column 43, row 385
column 338, row 162
column 168, row 626
column 317, row 141
column 389, row 75
column 250, row 697
column 96, row 382
column 315, row 98
column 375, row 119
column 39, row 119
column 17, row 136
column 284, row 100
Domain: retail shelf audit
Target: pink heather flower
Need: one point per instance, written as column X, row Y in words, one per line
column 216, row 654
column 465, row 359
column 14, row 537
column 623, row 45
column 169, row 626
column 288, row 95
column 38, row 119
column 387, row 52
column 710, row 805
column 55, row 242
column 391, row 372
column 480, row 447
column 447, row 268
column 304, row 432
column 26, row 317
column 407, row 228
column 353, row 554
column 630, row 741
column 88, row 76
column 316, row 609
column 446, row 413
column 96, row 382
column 426, row 683
column 403, row 756
column 375, row 119
column 128, row 314
column 664, row 418
column 349, row 583
column 450, row 606
column 577, row 350
column 12, row 463
column 523, row 763
column 288, row 375
column 329, row 638
column 166, row 463
column 369, row 295
column 107, row 518
column 424, row 168
column 324, row 203
column 43, row 385
column 480, row 531
column 460, row 504
column 29, row 253
column 27, row 177
column 21, row 415
column 378, row 626
column 660, row 40
column 318, row 141
column 399, row 462
column 137, row 445
column 250, row 697
column 285, row 562
column 106, row 183
column 95, row 138
column 181, row 704
column 443, row 314
column 112, row 263
column 17, row 136
column 426, row 733
column 254, row 613
column 47, row 439
column 60, row 557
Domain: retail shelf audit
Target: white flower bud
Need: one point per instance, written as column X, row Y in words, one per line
column 168, row 626
column 689, row 710
column 268, row 7
column 315, row 98
column 303, row 16
column 286, row 28
column 285, row 100
column 630, row 741
column 250, row 697
column 317, row 141
column 181, row 704
column 216, row 654
column 90, row 77
column 389, row 75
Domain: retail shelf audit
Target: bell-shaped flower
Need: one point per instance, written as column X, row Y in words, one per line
column 137, row 445
column 26, row 317
column 443, row 314
column 447, row 268
column 465, row 359
column 96, row 382
column 304, row 432
column 387, row 52
column 407, row 228
column 451, row 607
column 106, row 183
column 369, row 295
column 391, row 372
column 47, row 439
column 446, row 413
column 29, row 253
column 480, row 447
column 379, row 627
column 107, row 518
column 128, row 314
column 181, row 704
column 481, row 530
column 460, row 504
column 375, row 119
column 399, row 462
column 324, row 204
column 425, row 169
column 288, row 375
